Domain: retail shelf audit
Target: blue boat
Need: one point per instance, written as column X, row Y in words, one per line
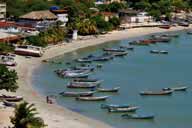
column 135, row 116
column 106, row 106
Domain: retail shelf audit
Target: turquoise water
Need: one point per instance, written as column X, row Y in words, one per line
column 136, row 72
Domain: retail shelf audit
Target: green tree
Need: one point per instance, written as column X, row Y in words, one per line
column 8, row 79
column 114, row 21
column 25, row 117
column 5, row 48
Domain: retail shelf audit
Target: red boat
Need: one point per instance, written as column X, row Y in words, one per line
column 165, row 26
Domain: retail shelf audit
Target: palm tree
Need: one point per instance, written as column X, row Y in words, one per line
column 25, row 117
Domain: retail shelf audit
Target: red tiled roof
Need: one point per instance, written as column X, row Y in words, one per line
column 10, row 39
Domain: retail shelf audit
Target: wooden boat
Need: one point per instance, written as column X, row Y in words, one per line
column 90, row 68
column 159, row 52
column 160, row 93
column 184, row 88
column 126, row 47
column 84, row 60
column 140, row 43
column 80, row 86
column 170, row 35
column 116, row 89
column 113, row 50
column 11, row 98
column 76, row 94
column 154, row 51
column 163, row 52
column 135, row 116
column 189, row 32
column 107, row 106
column 29, row 50
column 87, row 80
column 128, row 109
column 75, row 74
column 7, row 60
column 99, row 98
column 119, row 53
column 9, row 104
column 97, row 83
column 165, row 26
column 184, row 24
column 104, row 57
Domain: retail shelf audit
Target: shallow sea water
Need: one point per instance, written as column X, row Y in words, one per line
column 137, row 71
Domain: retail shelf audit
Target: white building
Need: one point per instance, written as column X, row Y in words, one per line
column 133, row 16
column 141, row 17
column 2, row 10
column 62, row 15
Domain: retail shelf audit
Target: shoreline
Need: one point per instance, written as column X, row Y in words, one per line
column 56, row 116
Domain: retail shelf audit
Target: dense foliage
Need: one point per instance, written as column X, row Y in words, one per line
column 5, row 48
column 25, row 117
column 52, row 35
column 8, row 79
column 158, row 8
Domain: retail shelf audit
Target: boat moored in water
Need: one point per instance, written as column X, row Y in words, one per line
column 160, row 93
column 106, row 106
column 80, row 86
column 183, row 88
column 115, row 89
column 135, row 116
column 128, row 109
column 89, row 98
column 76, row 94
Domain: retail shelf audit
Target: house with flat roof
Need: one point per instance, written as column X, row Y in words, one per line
column 134, row 16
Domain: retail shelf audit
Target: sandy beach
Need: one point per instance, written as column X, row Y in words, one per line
column 56, row 116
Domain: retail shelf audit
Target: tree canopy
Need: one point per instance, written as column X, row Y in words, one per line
column 25, row 117
column 8, row 79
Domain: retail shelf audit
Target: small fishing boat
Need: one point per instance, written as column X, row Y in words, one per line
column 160, row 93
column 184, row 88
column 96, row 83
column 29, row 50
column 184, row 24
column 7, row 60
column 140, row 43
column 91, row 68
column 107, row 106
column 9, row 104
column 135, row 116
column 11, row 98
column 89, row 98
column 128, row 109
column 113, row 50
column 170, row 35
column 76, row 94
column 116, row 89
column 104, row 57
column 189, row 32
column 87, row 80
column 163, row 52
column 84, row 60
column 165, row 26
column 126, row 47
column 80, row 86
column 119, row 53
column 154, row 51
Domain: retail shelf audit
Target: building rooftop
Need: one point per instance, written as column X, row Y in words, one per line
column 39, row 15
